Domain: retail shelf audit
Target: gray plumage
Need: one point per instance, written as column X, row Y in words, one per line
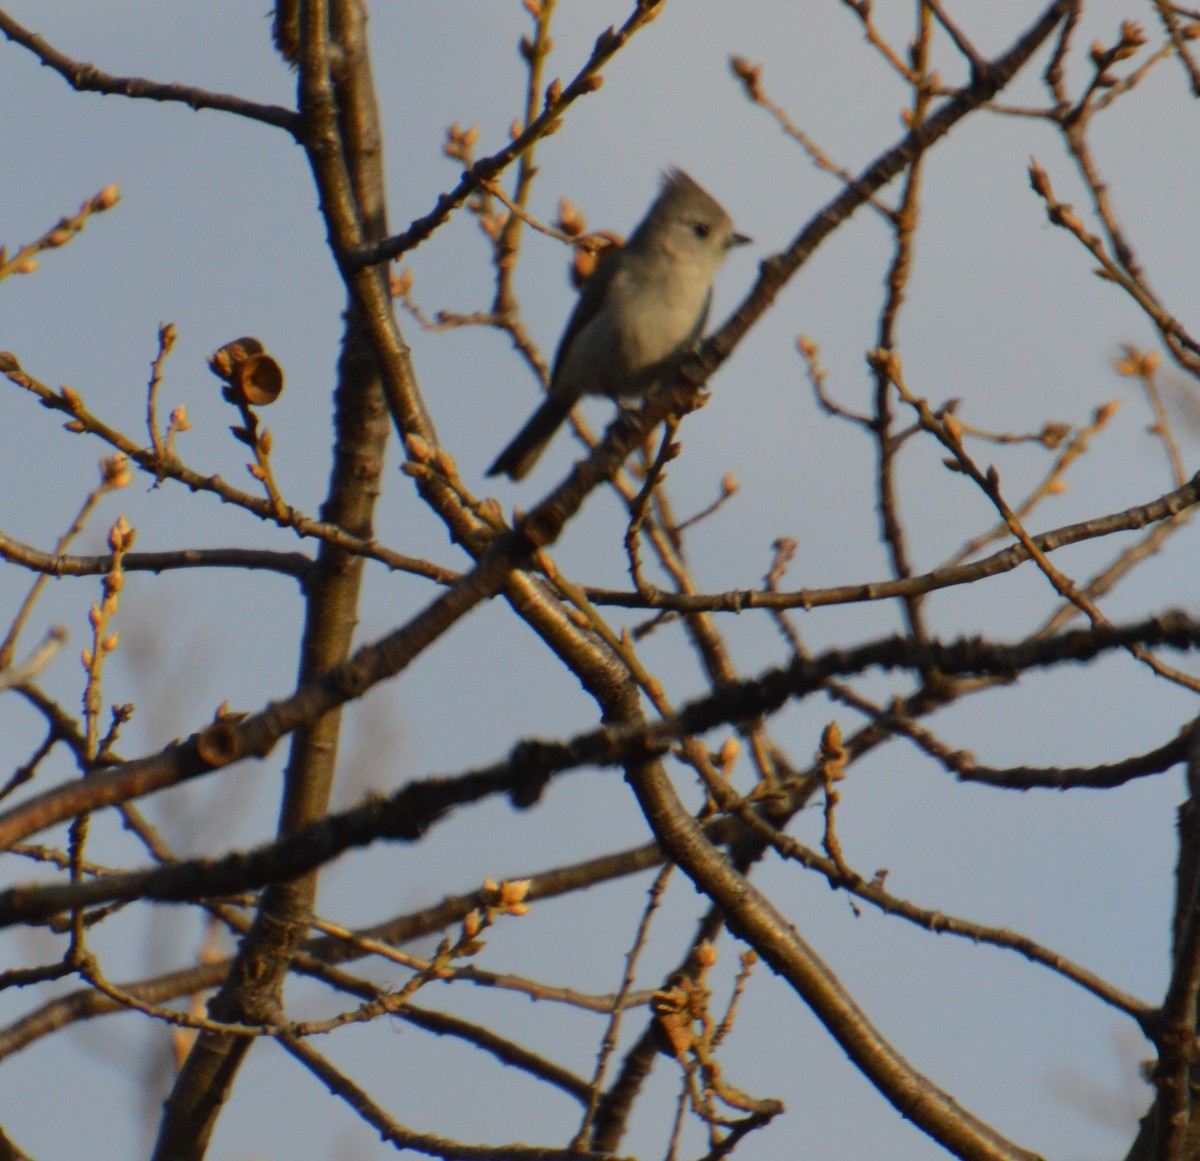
column 641, row 311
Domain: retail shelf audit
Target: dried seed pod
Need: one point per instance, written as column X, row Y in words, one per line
column 257, row 380
column 254, row 378
column 223, row 361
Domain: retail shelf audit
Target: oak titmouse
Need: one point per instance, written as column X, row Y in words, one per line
column 637, row 316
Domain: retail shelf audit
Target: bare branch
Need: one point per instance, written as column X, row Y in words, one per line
column 85, row 78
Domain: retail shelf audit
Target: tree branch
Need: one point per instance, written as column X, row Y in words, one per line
column 85, row 78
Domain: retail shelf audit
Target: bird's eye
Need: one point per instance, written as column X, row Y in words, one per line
column 701, row 229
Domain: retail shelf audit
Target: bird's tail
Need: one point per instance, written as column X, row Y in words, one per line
column 516, row 460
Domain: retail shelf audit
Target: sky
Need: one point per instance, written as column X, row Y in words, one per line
column 218, row 233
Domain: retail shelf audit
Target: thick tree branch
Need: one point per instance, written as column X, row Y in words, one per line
column 338, row 114
column 532, row 764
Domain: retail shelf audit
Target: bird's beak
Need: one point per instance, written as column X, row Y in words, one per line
column 738, row 240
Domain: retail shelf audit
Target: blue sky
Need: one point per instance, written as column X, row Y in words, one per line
column 218, row 232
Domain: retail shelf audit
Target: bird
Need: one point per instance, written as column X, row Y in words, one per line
column 642, row 310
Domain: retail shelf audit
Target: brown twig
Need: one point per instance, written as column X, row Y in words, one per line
column 558, row 100
column 166, row 340
column 86, row 78
column 751, row 77
column 608, row 1041
column 872, row 891
column 1165, row 511
column 945, row 429
column 114, row 474
column 82, row 420
column 61, row 233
